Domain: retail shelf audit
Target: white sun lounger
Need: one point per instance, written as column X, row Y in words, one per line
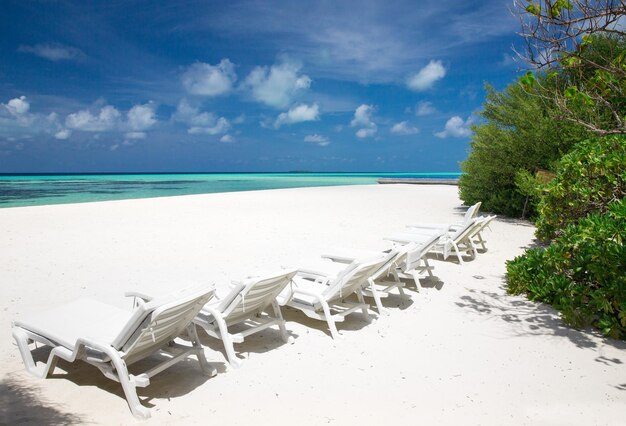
column 322, row 295
column 111, row 338
column 476, row 236
column 406, row 261
column 459, row 241
column 252, row 305
column 471, row 213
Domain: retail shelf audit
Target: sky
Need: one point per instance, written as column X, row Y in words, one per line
column 244, row 86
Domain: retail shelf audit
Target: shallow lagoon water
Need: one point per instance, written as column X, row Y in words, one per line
column 37, row 190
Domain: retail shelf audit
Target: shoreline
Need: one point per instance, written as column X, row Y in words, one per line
column 459, row 348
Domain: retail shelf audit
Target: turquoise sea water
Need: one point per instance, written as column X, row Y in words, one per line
column 37, row 190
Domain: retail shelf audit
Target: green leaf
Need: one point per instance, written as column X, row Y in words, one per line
column 533, row 9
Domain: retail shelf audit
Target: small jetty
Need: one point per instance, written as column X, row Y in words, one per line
column 419, row 181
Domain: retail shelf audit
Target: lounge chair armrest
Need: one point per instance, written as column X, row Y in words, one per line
column 432, row 227
column 312, row 274
column 339, row 258
column 139, row 295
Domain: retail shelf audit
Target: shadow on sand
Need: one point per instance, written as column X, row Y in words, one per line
column 22, row 403
column 533, row 318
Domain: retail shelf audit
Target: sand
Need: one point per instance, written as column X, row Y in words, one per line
column 461, row 351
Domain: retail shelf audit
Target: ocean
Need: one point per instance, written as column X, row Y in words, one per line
column 37, row 190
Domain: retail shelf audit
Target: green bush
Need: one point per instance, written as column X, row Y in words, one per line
column 587, row 180
column 521, row 132
column 582, row 273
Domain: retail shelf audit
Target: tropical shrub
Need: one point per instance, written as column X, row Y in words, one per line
column 520, row 132
column 582, row 273
column 587, row 180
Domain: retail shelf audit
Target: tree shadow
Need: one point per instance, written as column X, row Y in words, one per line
column 22, row 403
column 532, row 318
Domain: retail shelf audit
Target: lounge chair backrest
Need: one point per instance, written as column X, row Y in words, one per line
column 463, row 231
column 353, row 277
column 415, row 255
column 255, row 294
column 160, row 320
column 471, row 212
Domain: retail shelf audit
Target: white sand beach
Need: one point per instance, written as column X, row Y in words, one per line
column 461, row 351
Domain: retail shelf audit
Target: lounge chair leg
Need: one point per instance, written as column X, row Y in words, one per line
column 207, row 368
column 481, row 241
column 281, row 324
column 458, row 253
column 361, row 299
column 130, row 391
column 228, row 342
column 329, row 319
column 428, row 268
column 379, row 304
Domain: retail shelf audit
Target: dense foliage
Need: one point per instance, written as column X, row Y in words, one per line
column 521, row 132
column 587, row 180
column 582, row 273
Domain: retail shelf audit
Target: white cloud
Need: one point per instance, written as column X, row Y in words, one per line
column 366, row 133
column 17, row 106
column 107, row 119
column 318, row 139
column 135, row 135
column 221, row 126
column 63, row 134
column 53, row 51
column 456, row 128
column 227, row 139
column 298, row 114
column 17, row 120
column 363, row 118
column 141, row 117
column 427, row 76
column 424, row 108
column 209, row 80
column 278, row 85
column 403, row 128
column 200, row 122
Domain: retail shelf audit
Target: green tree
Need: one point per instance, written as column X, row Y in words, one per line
column 520, row 133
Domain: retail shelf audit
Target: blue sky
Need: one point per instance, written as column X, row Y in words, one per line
column 152, row 86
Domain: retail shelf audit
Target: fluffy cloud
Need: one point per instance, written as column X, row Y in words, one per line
column 141, row 117
column 227, row 139
column 221, row 125
column 403, row 128
column 363, row 118
column 107, row 119
column 53, row 51
column 427, row 76
column 456, row 128
column 366, row 133
column 17, row 106
column 63, row 134
column 278, row 85
column 209, row 80
column 424, row 108
column 298, row 114
column 318, row 139
column 200, row 122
